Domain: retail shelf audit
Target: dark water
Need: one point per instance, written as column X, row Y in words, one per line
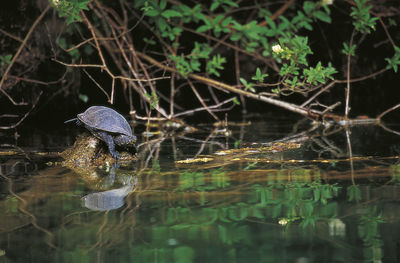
column 312, row 203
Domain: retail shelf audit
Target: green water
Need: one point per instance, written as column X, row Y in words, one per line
column 309, row 204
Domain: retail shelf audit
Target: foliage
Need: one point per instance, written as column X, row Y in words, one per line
column 223, row 32
column 183, row 66
column 247, row 86
column 353, row 193
column 5, row 60
column 250, row 36
column 363, row 21
column 319, row 74
column 215, row 64
column 259, row 77
column 70, row 9
column 348, row 50
column 394, row 62
column 369, row 233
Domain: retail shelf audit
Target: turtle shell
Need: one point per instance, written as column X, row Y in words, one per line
column 105, row 119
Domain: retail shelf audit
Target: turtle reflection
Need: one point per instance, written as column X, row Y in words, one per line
column 109, row 200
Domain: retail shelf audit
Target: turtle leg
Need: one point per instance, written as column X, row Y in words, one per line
column 123, row 140
column 126, row 141
column 107, row 138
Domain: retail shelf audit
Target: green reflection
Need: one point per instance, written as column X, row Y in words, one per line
column 248, row 213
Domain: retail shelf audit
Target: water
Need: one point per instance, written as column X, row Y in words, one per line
column 311, row 203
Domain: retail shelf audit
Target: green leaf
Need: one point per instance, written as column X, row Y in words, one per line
column 259, row 77
column 276, row 91
column 186, row 10
column 308, row 7
column 163, row 25
column 214, row 6
column 5, row 60
column 152, row 13
column 149, row 41
column 195, row 64
column 394, row 61
column 322, row 16
column 236, row 36
column 171, row 13
column 247, row 86
column 83, row 98
column 8, row 58
column 215, row 64
column 348, row 50
column 319, row 74
column 203, row 28
column 226, row 21
column 363, row 22
column 163, row 4
column 292, row 82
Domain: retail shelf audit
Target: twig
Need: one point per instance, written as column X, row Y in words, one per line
column 372, row 75
column 97, row 84
column 318, row 93
column 279, row 12
column 25, row 115
column 9, row 116
column 233, row 47
column 387, row 111
column 386, row 32
column 17, row 54
column 107, row 70
column 112, row 91
column 388, row 129
column 347, row 108
column 217, row 84
column 11, row 36
column 142, row 91
column 172, row 94
column 94, row 38
column 37, row 81
column 201, row 100
column 188, row 112
column 151, row 119
column 350, row 152
column 237, row 73
column 330, row 108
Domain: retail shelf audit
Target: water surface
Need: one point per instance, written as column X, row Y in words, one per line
column 209, row 196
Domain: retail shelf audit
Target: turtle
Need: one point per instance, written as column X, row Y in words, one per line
column 107, row 125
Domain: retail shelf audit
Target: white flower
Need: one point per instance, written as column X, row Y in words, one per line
column 337, row 228
column 283, row 222
column 327, row 2
column 277, row 49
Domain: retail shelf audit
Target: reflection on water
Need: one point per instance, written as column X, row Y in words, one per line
column 312, row 203
column 108, row 200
